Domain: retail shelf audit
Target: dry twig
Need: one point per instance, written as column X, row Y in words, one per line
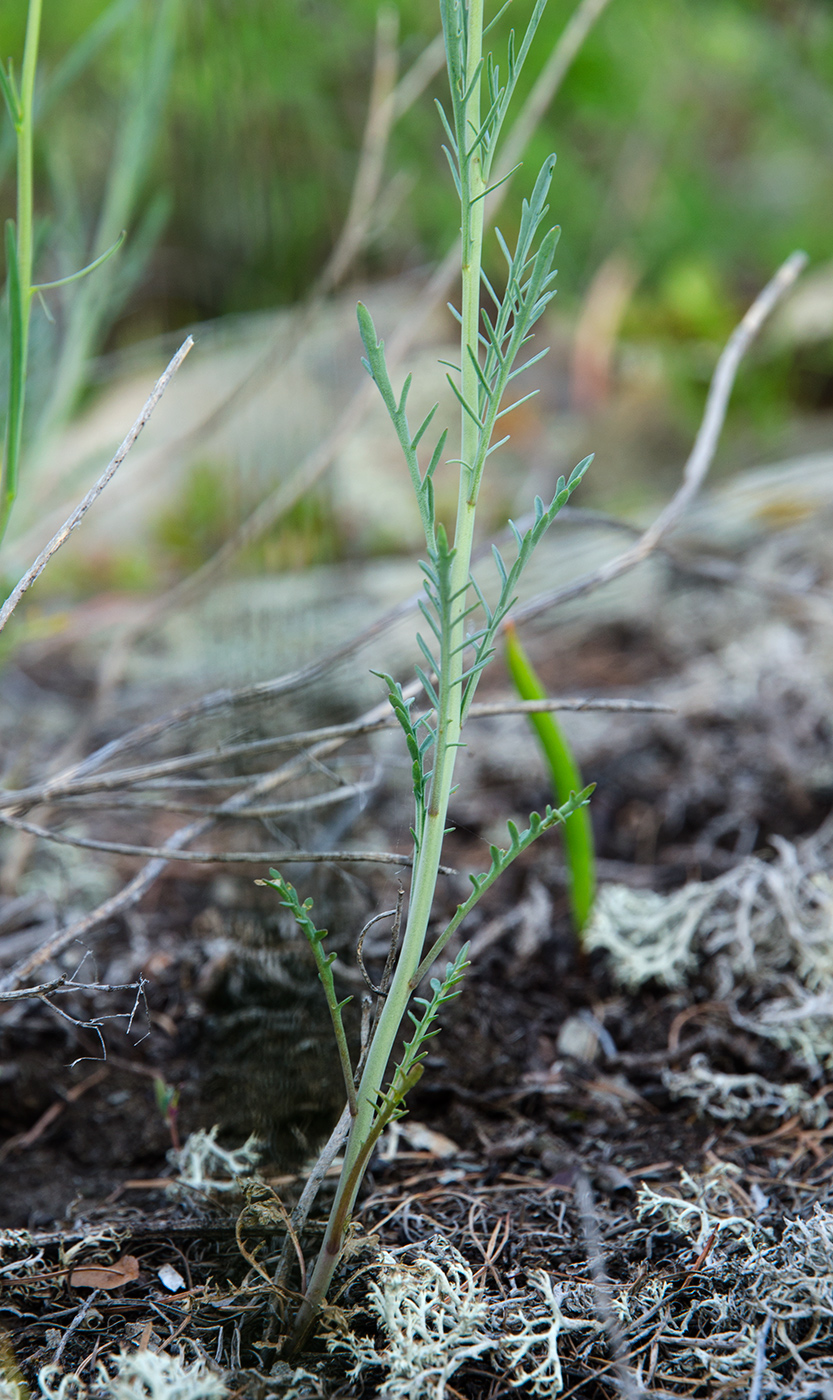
column 61, row 536
column 173, row 853
column 65, row 786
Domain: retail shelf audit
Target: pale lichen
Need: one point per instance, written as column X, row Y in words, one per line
column 751, row 1302
column 136, row 1375
column 203, row 1165
column 734, row 1097
column 433, row 1317
column 531, row 1353
column 761, row 931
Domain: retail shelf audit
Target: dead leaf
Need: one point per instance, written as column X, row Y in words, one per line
column 425, row 1139
column 107, row 1276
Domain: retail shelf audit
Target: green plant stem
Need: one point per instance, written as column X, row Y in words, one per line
column 19, row 246
column 25, row 136
column 449, row 720
column 486, row 369
column 566, row 779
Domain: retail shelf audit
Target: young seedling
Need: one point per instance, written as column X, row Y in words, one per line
column 579, row 849
column 462, row 626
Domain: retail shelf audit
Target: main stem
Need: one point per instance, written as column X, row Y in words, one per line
column 449, row 718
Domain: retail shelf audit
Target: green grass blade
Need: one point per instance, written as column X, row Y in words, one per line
column 566, row 778
column 10, row 95
column 17, row 379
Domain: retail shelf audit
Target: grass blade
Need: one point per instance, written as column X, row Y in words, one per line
column 566, row 779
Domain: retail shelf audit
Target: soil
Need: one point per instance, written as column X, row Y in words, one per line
column 549, row 1085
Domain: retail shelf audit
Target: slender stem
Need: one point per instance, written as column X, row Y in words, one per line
column 449, row 717
column 471, row 264
column 19, row 244
column 24, row 156
column 340, row 1037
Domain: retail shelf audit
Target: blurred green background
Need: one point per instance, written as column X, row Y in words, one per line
column 695, row 151
column 697, row 134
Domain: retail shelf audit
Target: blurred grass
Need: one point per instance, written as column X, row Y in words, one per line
column 693, row 141
column 695, row 136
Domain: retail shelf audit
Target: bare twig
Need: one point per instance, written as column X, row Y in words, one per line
column 137, row 802
column 708, row 566
column 172, row 853
column 133, row 800
column 702, row 453
column 75, row 1324
column 59, row 788
column 387, row 976
column 64, row 984
column 533, row 707
column 40, row 991
column 61, row 536
column 142, row 881
column 22, row 1141
column 129, row 895
column 125, row 777
column 385, row 914
column 390, row 960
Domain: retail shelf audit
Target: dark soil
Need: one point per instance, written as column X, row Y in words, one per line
column 231, row 1018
